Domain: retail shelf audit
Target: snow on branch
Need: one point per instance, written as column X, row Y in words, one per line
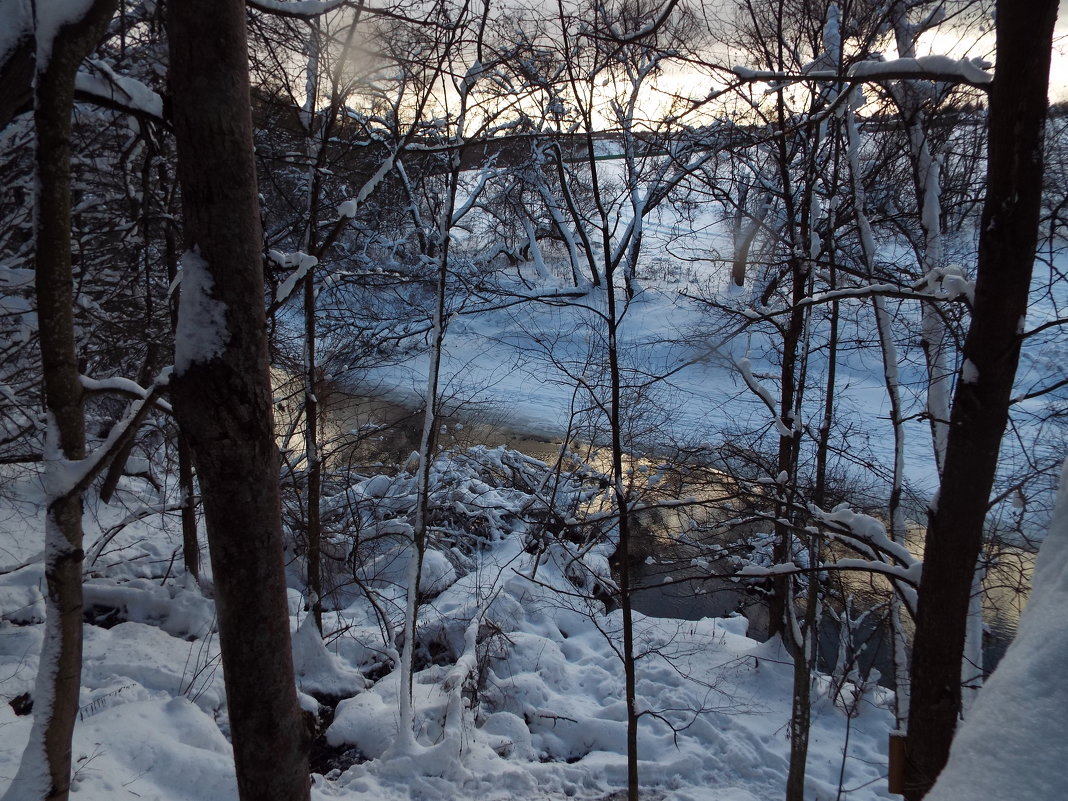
column 941, row 284
column 867, row 535
column 49, row 20
column 17, row 27
column 304, row 264
column 905, row 580
column 467, row 664
column 65, row 476
column 347, row 209
column 646, row 30
column 122, row 386
column 779, row 76
column 964, row 70
column 971, row 71
column 297, row 9
column 487, row 172
column 911, row 577
column 119, row 91
column 866, row 529
column 745, row 367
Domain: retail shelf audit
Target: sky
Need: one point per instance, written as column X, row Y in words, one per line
column 1058, row 77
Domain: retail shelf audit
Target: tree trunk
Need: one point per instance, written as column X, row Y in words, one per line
column 980, row 407
column 222, row 393
column 312, row 458
column 623, row 554
column 44, row 772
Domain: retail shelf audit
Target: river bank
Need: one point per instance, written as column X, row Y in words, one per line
column 673, row 572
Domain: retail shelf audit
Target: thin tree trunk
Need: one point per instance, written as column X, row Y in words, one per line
column 222, row 394
column 801, row 707
column 190, row 540
column 313, row 461
column 1009, row 229
column 312, row 457
column 624, row 551
column 893, row 392
column 927, row 179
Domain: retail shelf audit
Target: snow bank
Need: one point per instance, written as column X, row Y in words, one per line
column 518, row 692
column 547, row 717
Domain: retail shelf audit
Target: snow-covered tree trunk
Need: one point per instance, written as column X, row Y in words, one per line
column 927, row 179
column 223, row 396
column 747, row 225
column 64, row 37
column 186, row 485
column 892, row 382
column 1008, row 236
column 405, row 744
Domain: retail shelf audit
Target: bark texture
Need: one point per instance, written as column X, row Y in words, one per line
column 46, row 767
column 223, row 401
column 980, row 408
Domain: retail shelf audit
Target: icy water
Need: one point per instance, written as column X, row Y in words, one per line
column 671, row 577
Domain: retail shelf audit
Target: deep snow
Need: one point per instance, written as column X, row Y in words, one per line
column 534, row 711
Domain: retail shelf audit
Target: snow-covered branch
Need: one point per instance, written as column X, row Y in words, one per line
column 646, row 30
column 74, row 477
column 941, row 68
column 866, row 529
column 745, row 368
column 303, row 263
column 110, row 89
column 968, row 71
column 907, row 576
column 124, row 386
column 298, row 9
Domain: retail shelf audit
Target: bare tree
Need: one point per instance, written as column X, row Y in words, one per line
column 44, row 772
column 222, row 393
column 1009, row 232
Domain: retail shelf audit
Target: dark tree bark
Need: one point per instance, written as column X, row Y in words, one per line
column 980, row 406
column 190, row 540
column 45, row 769
column 222, row 395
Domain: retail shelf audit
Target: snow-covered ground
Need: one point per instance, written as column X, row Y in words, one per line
column 535, row 710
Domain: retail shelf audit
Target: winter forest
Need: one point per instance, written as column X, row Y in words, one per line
column 507, row 399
